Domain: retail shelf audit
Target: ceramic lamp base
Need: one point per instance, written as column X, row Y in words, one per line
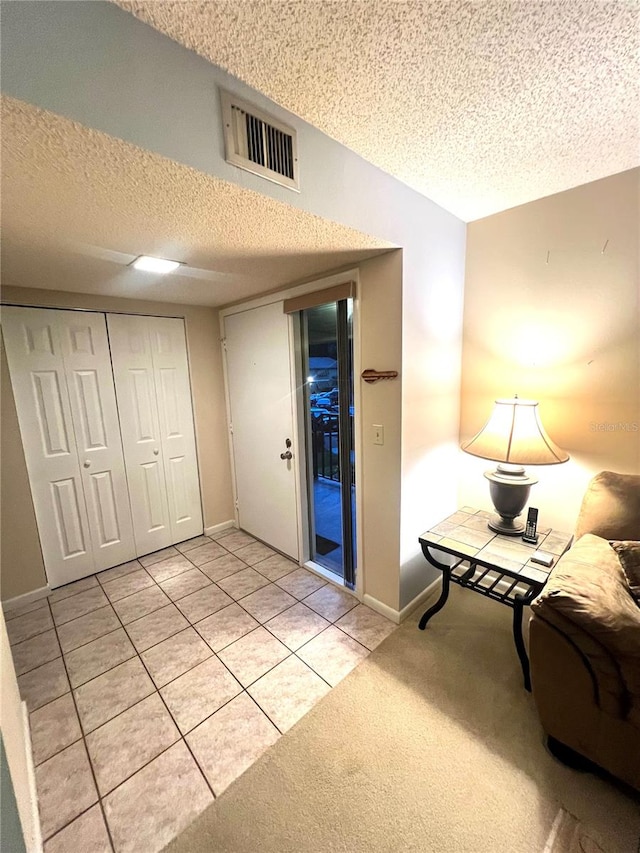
column 506, row 526
column 509, row 487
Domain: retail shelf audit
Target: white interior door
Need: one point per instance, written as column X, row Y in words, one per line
column 262, row 418
column 85, row 351
column 34, row 353
column 136, row 394
column 175, row 412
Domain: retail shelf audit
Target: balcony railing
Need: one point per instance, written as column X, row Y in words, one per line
column 324, row 442
column 325, row 447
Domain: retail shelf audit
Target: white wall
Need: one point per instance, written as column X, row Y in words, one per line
column 380, row 481
column 432, row 304
column 563, row 330
column 93, row 62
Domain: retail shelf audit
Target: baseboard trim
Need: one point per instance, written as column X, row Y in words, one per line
column 26, row 598
column 381, row 608
column 428, row 593
column 218, row 528
column 399, row 616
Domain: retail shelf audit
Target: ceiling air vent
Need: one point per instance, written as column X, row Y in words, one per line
column 258, row 143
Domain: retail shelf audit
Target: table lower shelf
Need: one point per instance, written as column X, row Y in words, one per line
column 494, row 584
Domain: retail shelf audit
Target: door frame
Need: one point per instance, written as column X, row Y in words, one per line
column 300, row 465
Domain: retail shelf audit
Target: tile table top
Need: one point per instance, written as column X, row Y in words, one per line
column 466, row 534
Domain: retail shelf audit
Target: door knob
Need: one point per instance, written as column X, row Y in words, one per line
column 156, row 451
column 287, row 455
column 86, row 463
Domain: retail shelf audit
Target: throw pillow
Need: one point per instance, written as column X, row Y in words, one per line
column 629, row 556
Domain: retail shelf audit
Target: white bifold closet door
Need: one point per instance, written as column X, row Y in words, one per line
column 63, row 386
column 151, row 372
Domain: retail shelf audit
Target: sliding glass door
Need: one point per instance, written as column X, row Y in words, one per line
column 327, row 351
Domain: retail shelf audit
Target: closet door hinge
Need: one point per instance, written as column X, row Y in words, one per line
column 223, row 341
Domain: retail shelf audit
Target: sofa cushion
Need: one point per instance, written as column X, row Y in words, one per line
column 611, row 507
column 629, row 556
column 587, row 598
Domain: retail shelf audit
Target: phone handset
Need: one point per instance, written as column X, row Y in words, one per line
column 530, row 534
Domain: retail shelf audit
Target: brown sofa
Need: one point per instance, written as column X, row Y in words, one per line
column 585, row 635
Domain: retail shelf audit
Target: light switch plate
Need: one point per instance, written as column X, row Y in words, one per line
column 378, row 434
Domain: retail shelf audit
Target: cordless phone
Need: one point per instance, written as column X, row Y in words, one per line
column 530, row 534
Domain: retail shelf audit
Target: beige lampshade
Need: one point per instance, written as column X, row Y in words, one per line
column 514, row 434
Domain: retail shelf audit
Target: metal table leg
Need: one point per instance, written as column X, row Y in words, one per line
column 518, row 606
column 440, row 603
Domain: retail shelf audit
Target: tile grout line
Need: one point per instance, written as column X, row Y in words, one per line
column 300, row 601
column 42, row 663
column 146, row 764
column 37, row 634
column 171, row 717
column 99, row 637
column 156, row 690
column 123, row 626
column 83, row 734
column 110, row 603
column 214, row 654
column 101, row 585
column 194, row 625
column 173, row 720
column 219, row 659
column 78, row 816
column 244, row 690
column 10, row 615
column 86, row 749
column 292, row 653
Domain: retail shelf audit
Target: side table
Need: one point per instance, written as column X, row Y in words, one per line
column 496, row 566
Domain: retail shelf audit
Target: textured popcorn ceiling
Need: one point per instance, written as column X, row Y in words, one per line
column 478, row 105
column 78, row 206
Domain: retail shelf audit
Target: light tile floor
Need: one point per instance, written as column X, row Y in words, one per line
column 155, row 684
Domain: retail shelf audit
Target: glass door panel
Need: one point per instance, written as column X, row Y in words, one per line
column 328, row 366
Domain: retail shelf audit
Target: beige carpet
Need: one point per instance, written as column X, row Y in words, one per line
column 430, row 745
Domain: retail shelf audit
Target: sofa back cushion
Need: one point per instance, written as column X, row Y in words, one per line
column 611, row 507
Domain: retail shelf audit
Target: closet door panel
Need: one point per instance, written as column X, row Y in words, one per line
column 68, row 519
column 136, row 395
column 34, row 352
column 95, row 415
column 175, row 410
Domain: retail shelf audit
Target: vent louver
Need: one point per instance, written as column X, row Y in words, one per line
column 258, row 143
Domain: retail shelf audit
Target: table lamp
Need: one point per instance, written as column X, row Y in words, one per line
column 513, row 437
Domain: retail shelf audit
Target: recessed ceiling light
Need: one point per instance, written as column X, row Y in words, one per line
column 157, row 265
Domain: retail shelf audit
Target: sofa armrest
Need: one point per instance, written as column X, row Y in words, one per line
column 587, row 599
column 565, row 691
column 563, row 679
column 565, row 660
